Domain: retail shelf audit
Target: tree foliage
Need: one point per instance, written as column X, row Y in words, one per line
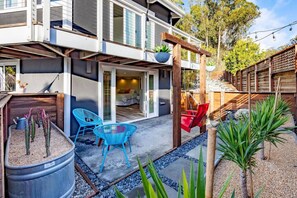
column 219, row 23
column 244, row 54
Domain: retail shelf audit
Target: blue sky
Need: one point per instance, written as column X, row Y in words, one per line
column 274, row 14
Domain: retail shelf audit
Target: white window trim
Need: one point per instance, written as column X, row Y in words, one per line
column 18, row 72
column 20, row 4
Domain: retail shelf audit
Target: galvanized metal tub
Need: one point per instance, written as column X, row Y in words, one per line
column 50, row 179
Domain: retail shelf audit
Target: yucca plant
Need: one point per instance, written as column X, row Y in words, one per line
column 267, row 119
column 192, row 188
column 240, row 147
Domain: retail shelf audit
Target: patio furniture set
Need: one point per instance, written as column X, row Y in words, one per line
column 117, row 135
column 114, row 136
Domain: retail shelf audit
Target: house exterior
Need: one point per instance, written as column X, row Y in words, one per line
column 97, row 52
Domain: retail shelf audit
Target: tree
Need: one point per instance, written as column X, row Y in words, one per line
column 267, row 119
column 244, row 54
column 239, row 147
column 220, row 23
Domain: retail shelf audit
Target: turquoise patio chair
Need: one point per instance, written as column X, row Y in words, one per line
column 114, row 136
column 87, row 120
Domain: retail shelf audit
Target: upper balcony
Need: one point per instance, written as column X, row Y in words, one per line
column 113, row 27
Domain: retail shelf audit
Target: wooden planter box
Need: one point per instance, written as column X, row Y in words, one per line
column 50, row 178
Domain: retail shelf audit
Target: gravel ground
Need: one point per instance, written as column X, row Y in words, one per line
column 82, row 188
column 278, row 176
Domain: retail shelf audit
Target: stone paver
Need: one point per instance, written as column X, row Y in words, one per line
column 174, row 170
column 139, row 190
column 195, row 153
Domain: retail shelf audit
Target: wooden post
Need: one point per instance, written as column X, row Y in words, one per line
column 202, row 94
column 256, row 78
column 176, row 95
column 60, row 110
column 211, row 150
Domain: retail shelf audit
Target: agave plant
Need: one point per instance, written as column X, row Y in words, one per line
column 267, row 119
column 192, row 188
column 239, row 146
column 162, row 48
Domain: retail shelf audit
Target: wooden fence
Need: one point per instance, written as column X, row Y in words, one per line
column 265, row 73
column 16, row 105
column 222, row 102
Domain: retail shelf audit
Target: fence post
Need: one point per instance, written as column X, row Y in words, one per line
column 211, row 149
column 270, row 76
column 240, row 85
column 256, row 78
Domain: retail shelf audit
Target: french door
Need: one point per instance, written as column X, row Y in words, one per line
column 107, row 93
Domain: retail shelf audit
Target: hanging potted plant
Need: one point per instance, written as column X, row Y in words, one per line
column 210, row 66
column 162, row 53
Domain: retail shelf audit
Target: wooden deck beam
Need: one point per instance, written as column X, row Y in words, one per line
column 56, row 50
column 31, row 50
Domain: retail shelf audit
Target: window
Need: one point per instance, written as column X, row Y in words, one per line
column 14, row 3
column 8, row 78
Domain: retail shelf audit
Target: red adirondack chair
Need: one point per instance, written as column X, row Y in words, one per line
column 193, row 118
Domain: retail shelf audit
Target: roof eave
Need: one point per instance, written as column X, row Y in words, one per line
column 172, row 6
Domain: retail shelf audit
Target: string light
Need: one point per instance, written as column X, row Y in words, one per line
column 273, row 31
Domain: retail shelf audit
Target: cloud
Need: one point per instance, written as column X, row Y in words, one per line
column 269, row 19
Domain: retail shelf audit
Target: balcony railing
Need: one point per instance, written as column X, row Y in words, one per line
column 123, row 22
column 130, row 27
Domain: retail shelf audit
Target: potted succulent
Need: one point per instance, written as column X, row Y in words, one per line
column 210, row 66
column 39, row 159
column 162, row 53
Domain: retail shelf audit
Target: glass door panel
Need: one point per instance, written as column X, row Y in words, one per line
column 107, row 96
column 151, row 94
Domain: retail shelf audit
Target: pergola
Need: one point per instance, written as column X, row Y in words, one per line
column 177, row 45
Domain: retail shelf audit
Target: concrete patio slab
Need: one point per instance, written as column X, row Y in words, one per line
column 174, row 170
column 152, row 139
column 139, row 191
